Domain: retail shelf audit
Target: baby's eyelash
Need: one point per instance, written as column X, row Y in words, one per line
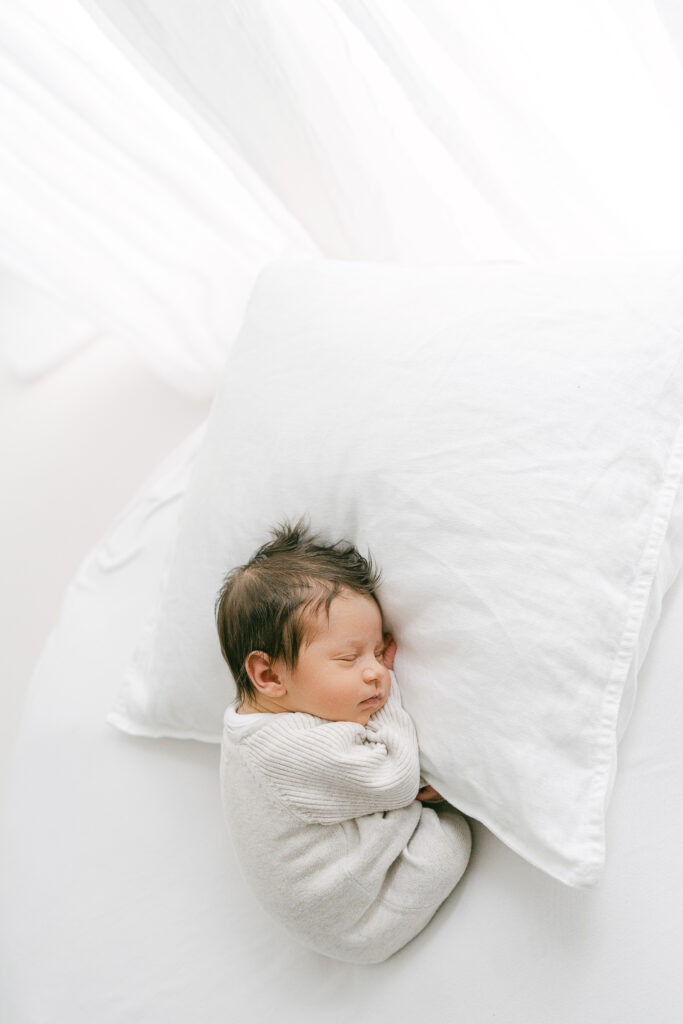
column 379, row 654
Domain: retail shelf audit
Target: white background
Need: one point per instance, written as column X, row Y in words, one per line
column 75, row 445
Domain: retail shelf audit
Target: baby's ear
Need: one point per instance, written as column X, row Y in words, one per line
column 261, row 671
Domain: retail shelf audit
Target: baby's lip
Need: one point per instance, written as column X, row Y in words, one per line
column 372, row 700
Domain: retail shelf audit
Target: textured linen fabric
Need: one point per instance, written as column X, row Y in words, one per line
column 326, row 826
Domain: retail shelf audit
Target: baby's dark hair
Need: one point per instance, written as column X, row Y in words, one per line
column 271, row 603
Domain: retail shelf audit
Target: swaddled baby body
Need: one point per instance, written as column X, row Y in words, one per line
column 320, row 774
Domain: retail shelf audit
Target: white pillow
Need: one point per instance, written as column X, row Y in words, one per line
column 507, row 443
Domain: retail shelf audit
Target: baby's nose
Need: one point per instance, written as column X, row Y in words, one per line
column 371, row 672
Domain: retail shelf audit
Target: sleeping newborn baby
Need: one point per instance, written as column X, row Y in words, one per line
column 320, row 774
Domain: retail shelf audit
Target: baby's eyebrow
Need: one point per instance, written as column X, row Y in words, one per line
column 357, row 644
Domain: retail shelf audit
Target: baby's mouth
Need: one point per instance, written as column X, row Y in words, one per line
column 372, row 700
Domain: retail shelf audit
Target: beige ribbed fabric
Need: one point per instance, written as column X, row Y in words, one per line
column 327, row 829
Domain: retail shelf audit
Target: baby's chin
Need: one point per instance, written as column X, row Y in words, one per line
column 367, row 713
column 361, row 716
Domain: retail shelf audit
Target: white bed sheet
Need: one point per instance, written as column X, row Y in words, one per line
column 121, row 899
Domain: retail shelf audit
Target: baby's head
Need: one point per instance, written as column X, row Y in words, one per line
column 300, row 626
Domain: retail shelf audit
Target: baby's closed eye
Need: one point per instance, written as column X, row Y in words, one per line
column 351, row 657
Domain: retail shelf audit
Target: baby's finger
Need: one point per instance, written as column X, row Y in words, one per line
column 430, row 794
column 389, row 650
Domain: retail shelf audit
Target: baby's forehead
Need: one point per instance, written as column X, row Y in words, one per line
column 350, row 617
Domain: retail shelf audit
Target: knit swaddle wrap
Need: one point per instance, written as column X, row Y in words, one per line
column 326, row 826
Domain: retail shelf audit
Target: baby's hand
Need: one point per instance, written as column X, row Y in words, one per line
column 389, row 650
column 429, row 795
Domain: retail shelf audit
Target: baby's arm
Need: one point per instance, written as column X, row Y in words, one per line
column 332, row 771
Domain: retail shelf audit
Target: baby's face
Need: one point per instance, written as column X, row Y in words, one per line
column 340, row 674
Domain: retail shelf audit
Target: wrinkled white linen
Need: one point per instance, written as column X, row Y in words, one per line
column 507, row 442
